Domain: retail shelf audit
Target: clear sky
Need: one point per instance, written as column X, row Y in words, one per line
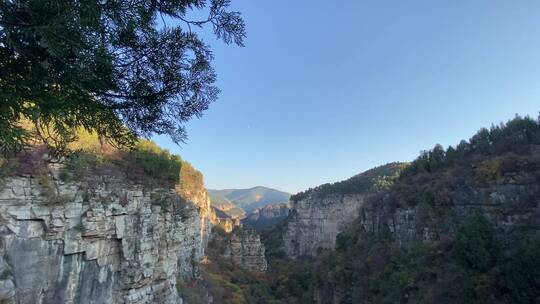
column 324, row 90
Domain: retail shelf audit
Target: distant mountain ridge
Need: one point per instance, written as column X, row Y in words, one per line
column 249, row 199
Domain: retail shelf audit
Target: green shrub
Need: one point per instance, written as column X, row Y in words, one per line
column 376, row 179
column 6, row 274
column 490, row 169
column 48, row 190
column 475, row 246
column 523, row 273
column 154, row 162
column 7, row 167
column 79, row 164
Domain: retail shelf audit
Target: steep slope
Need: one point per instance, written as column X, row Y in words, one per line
column 78, row 233
column 234, row 271
column 244, row 247
column 318, row 215
column 253, row 198
column 460, row 225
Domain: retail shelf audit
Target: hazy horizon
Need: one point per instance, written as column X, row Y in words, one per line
column 309, row 102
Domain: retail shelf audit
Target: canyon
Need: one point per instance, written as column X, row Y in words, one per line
column 452, row 226
column 104, row 239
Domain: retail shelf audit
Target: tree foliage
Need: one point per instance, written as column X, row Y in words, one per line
column 103, row 65
column 474, row 246
column 373, row 180
column 523, row 273
column 515, row 136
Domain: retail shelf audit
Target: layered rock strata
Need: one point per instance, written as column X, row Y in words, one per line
column 315, row 221
column 269, row 212
column 101, row 240
column 246, row 250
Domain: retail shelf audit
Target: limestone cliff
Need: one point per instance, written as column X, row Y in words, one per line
column 269, row 212
column 511, row 204
column 318, row 215
column 246, row 250
column 98, row 240
column 314, row 222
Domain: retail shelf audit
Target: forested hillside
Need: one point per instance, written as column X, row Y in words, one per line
column 458, row 226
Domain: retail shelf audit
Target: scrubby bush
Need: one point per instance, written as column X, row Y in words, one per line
column 146, row 162
column 191, row 180
column 475, row 245
column 88, row 142
column 79, row 164
column 7, row 167
column 150, row 160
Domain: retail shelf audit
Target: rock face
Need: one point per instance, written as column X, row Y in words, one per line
column 269, row 212
column 512, row 207
column 315, row 221
column 101, row 240
column 510, row 204
column 224, row 221
column 246, row 250
column 318, row 215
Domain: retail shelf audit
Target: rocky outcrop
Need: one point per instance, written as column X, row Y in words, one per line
column 246, row 250
column 269, row 212
column 99, row 240
column 315, row 221
column 224, row 221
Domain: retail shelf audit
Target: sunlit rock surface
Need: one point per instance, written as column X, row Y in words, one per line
column 101, row 240
column 246, row 250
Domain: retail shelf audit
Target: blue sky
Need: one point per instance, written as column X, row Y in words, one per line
column 324, row 90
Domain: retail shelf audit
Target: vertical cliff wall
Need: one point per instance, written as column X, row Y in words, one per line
column 315, row 221
column 269, row 212
column 100, row 240
column 318, row 215
column 245, row 249
column 511, row 205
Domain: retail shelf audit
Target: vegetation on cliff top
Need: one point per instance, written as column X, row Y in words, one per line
column 376, row 179
column 516, row 136
column 144, row 163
